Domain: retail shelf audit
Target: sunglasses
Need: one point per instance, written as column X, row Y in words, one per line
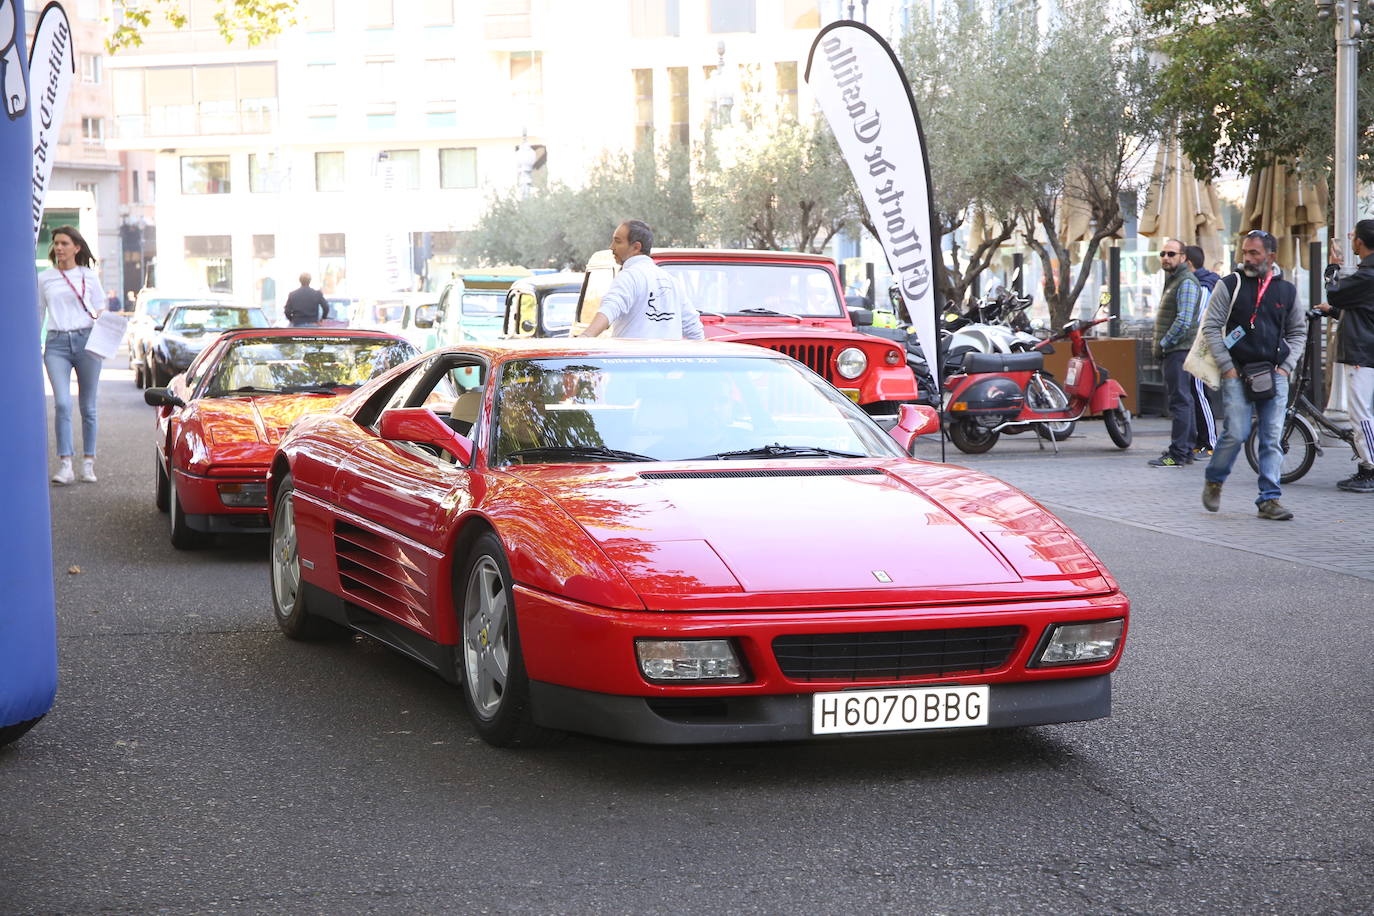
column 1171, row 254
column 1258, row 234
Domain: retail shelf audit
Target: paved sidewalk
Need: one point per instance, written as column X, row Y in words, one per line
column 1331, row 530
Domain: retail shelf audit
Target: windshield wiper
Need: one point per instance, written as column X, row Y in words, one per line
column 580, row 451
column 781, row 451
column 764, row 311
column 250, row 389
column 308, row 389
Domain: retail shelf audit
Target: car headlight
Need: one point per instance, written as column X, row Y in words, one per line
column 1081, row 643
column 244, row 495
column 678, row 660
column 851, row 363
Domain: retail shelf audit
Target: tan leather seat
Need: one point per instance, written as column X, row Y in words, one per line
column 465, row 411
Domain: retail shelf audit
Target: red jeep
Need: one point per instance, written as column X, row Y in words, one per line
column 781, row 300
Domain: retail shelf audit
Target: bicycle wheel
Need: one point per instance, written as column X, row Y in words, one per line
column 1298, row 444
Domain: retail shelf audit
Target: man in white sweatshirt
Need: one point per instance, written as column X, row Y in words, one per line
column 643, row 300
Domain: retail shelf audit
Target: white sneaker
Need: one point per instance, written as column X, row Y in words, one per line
column 88, row 470
column 64, row 473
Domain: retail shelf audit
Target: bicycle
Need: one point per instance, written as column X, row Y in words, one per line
column 1301, row 441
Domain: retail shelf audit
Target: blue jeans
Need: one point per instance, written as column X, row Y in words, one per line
column 64, row 351
column 1236, row 429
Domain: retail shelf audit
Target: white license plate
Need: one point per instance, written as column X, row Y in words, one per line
column 898, row 710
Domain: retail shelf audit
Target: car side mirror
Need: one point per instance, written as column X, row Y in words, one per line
column 424, row 316
column 157, row 327
column 862, row 318
column 161, row 397
column 527, row 326
column 423, row 426
column 913, row 420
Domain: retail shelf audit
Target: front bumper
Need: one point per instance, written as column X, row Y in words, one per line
column 732, row 719
column 205, row 511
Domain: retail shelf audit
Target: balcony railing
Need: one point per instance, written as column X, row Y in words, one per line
column 248, row 116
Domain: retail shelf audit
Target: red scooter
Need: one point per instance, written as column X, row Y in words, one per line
column 998, row 392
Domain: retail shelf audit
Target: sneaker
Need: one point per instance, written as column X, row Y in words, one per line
column 1362, row 482
column 1271, row 510
column 88, row 470
column 64, row 474
column 1165, row 461
column 1203, row 452
column 1211, row 496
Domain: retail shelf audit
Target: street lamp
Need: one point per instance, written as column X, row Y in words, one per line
column 525, row 157
column 722, row 93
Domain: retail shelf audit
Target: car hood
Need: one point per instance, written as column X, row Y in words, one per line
column 830, row 534
column 783, row 327
column 246, row 430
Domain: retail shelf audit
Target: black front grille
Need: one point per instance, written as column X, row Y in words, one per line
column 759, row 472
column 816, row 357
column 894, row 655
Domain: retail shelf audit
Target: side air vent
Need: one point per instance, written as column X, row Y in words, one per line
column 376, row 573
column 759, row 472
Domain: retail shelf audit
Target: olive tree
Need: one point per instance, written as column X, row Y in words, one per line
column 251, row 21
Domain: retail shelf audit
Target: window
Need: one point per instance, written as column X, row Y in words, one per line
column 507, row 19
column 318, row 15
column 404, row 165
column 91, row 188
column 681, row 127
column 136, row 192
column 321, row 84
column 93, row 130
column 458, row 168
column 800, row 14
column 441, row 79
column 329, row 171
column 732, row 15
column 205, row 174
column 90, row 68
column 208, row 262
column 379, row 14
column 152, row 185
column 438, row 12
column 654, row 18
column 787, row 88
column 381, row 76
column 332, row 272
column 264, row 173
column 527, row 73
column 644, row 109
column 331, row 244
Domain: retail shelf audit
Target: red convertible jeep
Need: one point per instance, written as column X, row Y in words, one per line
column 785, row 301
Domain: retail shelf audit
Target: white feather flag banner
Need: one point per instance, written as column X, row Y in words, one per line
column 865, row 97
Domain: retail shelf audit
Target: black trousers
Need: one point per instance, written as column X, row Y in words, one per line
column 1178, row 384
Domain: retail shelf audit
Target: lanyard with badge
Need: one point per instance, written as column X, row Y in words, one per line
column 81, row 296
column 1238, row 332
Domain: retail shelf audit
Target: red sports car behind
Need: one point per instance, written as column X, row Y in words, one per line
column 218, row 423
column 680, row 542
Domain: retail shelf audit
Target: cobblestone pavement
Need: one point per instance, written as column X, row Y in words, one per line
column 1331, row 530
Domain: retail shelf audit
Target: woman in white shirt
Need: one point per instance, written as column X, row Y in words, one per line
column 69, row 294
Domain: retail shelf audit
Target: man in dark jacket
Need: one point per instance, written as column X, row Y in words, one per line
column 1204, row 403
column 1350, row 297
column 1253, row 319
column 1175, row 326
column 306, row 306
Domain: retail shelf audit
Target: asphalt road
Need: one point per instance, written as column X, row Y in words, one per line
column 198, row 762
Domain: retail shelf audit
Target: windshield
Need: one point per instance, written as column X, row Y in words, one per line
column 213, row 318
column 666, row 409
column 265, row 365
column 157, row 308
column 484, row 305
column 559, row 309
column 734, row 289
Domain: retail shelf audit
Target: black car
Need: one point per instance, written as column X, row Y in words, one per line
column 188, row 329
column 544, row 305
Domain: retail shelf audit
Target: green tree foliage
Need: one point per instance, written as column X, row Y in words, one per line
column 1253, row 83
column 561, row 226
column 251, row 21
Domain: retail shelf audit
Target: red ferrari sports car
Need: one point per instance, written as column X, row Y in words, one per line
column 680, row 541
column 218, row 423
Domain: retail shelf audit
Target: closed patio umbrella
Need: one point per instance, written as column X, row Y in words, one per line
column 1179, row 206
column 1290, row 208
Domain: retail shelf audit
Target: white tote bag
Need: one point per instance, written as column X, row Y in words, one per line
column 106, row 334
column 1200, row 363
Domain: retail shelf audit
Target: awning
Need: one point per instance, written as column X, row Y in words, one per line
column 1179, row 206
column 1291, row 209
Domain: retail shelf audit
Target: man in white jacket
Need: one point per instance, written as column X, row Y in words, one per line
column 643, row 300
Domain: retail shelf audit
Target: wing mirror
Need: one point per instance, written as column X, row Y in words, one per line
column 421, row 425
column 913, row 420
column 424, row 316
column 527, row 326
column 862, row 317
column 161, row 397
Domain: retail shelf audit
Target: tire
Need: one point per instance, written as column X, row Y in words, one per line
column 1050, row 397
column 139, row 381
column 496, row 688
column 1118, row 423
column 289, row 605
column 183, row 536
column 1299, row 446
column 161, row 486
column 970, row 438
column 10, row 733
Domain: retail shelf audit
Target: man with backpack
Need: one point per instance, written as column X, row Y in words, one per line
column 1256, row 333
